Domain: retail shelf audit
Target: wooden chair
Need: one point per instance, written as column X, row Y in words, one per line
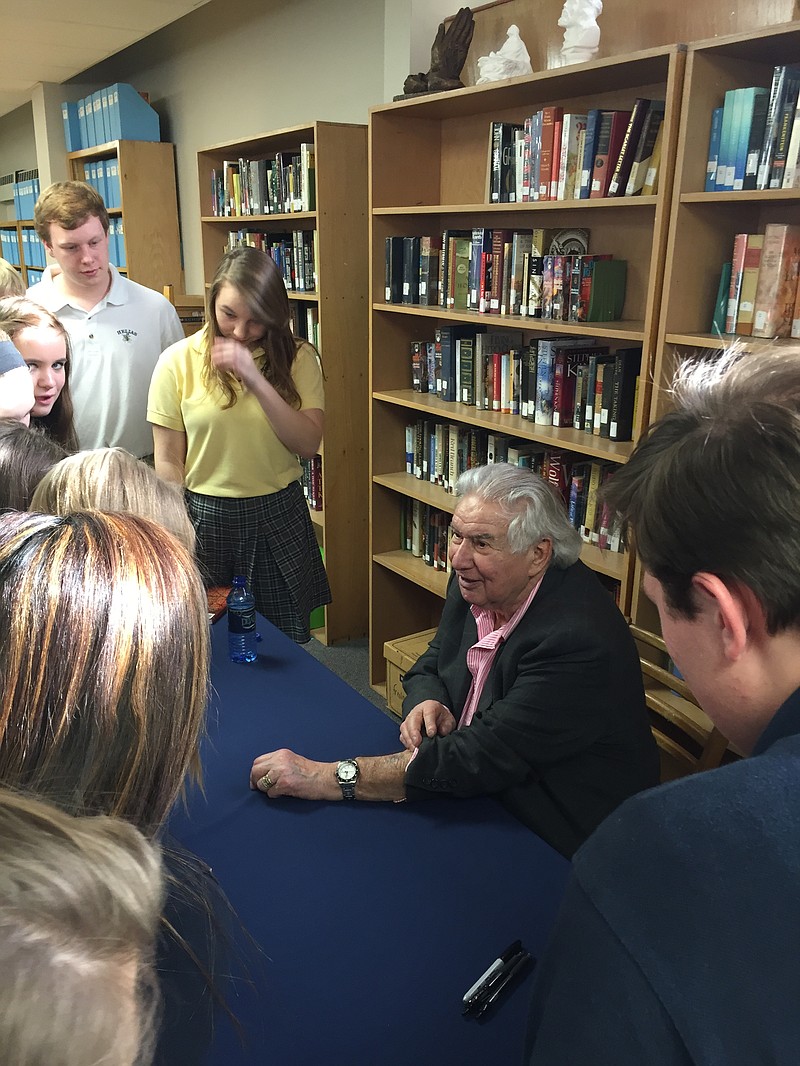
column 687, row 738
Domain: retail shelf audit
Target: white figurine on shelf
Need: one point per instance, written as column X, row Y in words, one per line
column 510, row 61
column 581, row 32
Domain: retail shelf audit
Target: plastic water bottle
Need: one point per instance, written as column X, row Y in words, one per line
column 241, row 623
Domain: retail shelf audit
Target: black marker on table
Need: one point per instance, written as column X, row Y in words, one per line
column 481, row 987
column 503, row 981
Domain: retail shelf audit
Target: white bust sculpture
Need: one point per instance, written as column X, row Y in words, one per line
column 581, row 32
column 510, row 61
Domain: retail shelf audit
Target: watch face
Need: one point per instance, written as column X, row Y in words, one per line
column 347, row 771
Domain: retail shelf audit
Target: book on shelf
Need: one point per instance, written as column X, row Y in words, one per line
column 411, row 257
column 627, row 367
column 791, row 175
column 393, row 291
column 784, row 131
column 751, row 265
column 630, row 141
column 430, row 255
column 599, row 358
column 503, row 185
column 721, row 303
column 593, row 120
column 737, row 272
column 650, row 187
column 714, row 139
column 644, row 149
column 569, row 166
column 613, row 125
column 550, row 116
column 308, row 177
column 607, row 292
column 777, row 281
column 784, row 81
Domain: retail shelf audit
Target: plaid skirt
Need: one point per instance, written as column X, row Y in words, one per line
column 270, row 539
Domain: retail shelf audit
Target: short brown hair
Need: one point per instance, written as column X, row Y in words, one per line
column 69, row 204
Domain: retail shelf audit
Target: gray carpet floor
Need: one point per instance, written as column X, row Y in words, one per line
column 350, row 661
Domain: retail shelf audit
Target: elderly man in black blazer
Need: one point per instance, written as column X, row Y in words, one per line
column 530, row 691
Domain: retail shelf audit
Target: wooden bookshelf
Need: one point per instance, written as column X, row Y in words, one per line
column 428, row 163
column 340, row 223
column 703, row 224
column 149, row 207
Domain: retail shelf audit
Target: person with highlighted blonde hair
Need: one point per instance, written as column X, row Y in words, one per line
column 104, row 661
column 80, row 900
column 111, row 479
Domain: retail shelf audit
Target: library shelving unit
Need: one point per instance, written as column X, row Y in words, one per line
column 428, row 166
column 340, row 225
column 149, row 209
column 703, row 225
column 18, row 260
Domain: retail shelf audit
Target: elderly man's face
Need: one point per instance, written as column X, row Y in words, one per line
column 490, row 575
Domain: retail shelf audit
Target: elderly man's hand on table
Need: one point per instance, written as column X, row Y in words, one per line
column 283, row 773
column 429, row 718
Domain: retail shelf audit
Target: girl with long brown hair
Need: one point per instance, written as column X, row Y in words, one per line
column 43, row 343
column 232, row 408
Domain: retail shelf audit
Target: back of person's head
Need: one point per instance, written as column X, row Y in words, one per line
column 11, row 283
column 69, row 204
column 532, row 508
column 104, row 652
column 111, row 479
column 80, row 900
column 26, row 454
column 714, row 485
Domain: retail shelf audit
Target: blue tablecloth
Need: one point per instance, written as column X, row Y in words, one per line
column 373, row 919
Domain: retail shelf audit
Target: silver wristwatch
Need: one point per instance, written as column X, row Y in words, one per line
column 347, row 774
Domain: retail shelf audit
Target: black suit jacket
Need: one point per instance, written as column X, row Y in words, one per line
column 561, row 733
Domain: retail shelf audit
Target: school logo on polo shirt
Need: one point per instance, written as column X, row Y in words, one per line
column 127, row 334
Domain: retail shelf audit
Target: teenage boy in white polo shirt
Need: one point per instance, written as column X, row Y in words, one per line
column 117, row 328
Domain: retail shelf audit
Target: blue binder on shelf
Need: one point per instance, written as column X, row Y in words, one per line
column 122, row 259
column 83, row 123
column 72, row 126
column 130, row 118
column 97, row 117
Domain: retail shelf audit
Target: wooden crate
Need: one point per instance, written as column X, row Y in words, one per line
column 400, row 655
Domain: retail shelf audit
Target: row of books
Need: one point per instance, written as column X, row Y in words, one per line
column 26, row 192
column 103, row 176
column 304, row 322
column 311, row 480
column 34, row 276
column 579, row 483
column 550, row 381
column 9, row 246
column 539, row 273
column 558, row 155
column 282, row 185
column 759, row 294
column 116, row 113
column 295, row 254
column 755, row 136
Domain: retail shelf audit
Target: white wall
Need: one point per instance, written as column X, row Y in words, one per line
column 239, row 67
